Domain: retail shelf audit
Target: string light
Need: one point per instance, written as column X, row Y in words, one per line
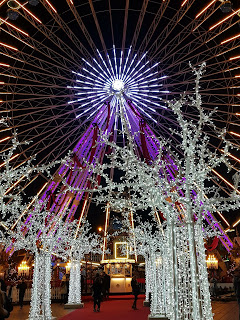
column 212, row 262
column 230, row 39
column 223, row 20
column 204, row 9
column 29, row 12
column 14, row 27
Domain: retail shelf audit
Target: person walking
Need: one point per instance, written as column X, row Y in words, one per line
column 22, row 286
column 236, row 284
column 97, row 292
column 135, row 291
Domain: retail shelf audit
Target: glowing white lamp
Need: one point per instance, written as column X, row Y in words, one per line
column 118, row 85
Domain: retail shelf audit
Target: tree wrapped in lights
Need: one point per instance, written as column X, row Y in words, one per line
column 150, row 241
column 44, row 235
column 39, row 233
column 82, row 242
column 184, row 200
column 11, row 201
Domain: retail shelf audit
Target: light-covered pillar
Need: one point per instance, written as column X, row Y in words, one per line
column 158, row 301
column 74, row 295
column 148, row 288
column 40, row 307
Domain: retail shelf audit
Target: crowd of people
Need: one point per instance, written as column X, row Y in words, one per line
column 100, row 292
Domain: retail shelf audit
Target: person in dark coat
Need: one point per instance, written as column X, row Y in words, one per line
column 22, row 286
column 3, row 312
column 97, row 292
column 135, row 291
column 3, row 285
column 236, row 284
column 106, row 284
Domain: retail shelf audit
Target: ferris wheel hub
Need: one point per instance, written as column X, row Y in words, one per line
column 118, row 85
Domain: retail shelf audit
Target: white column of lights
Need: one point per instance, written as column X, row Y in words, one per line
column 203, row 274
column 194, row 271
column 160, row 284
column 74, row 296
column 84, row 243
column 185, row 288
column 155, row 301
column 40, row 307
column 168, row 264
column 148, row 288
column 150, row 244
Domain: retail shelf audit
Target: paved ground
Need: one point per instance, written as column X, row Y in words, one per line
column 222, row 311
column 225, row 310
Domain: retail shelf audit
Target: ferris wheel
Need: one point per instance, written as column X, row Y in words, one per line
column 68, row 67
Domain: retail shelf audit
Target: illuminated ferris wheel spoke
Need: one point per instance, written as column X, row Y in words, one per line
column 59, row 43
column 126, row 61
column 135, row 67
column 134, row 77
column 99, row 65
column 209, row 5
column 144, row 44
column 115, row 62
column 74, row 39
column 97, row 26
column 181, row 37
column 129, row 67
column 92, row 67
column 153, row 50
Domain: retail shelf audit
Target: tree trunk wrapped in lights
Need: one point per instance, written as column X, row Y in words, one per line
column 40, row 307
column 74, row 296
column 148, row 274
column 150, row 241
column 43, row 235
column 82, row 243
